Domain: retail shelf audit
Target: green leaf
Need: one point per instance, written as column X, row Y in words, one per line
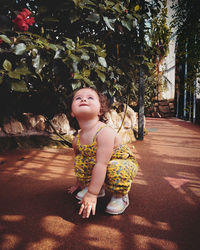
column 52, row 46
column 129, row 16
column 117, row 8
column 36, row 63
column 41, row 42
column 75, row 58
column 85, row 57
column 90, row 83
column 76, row 2
column 86, row 72
column 102, row 61
column 118, row 87
column 101, row 75
column 78, row 76
column 109, row 3
column 93, row 17
column 126, row 24
column 101, row 52
column 109, row 22
column 134, row 23
column 76, row 85
column 89, row 45
column 14, row 74
column 99, row 67
column 19, row 86
column 7, row 65
column 69, row 44
column 119, row 72
column 18, row 72
column 5, row 39
column 89, row 2
column 19, row 49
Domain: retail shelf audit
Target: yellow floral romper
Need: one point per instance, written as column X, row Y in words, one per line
column 121, row 169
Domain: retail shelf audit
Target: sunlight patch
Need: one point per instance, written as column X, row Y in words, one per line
column 176, row 182
column 9, row 241
column 13, row 218
column 139, row 179
column 55, row 225
column 138, row 220
column 147, row 242
column 111, row 236
column 46, row 243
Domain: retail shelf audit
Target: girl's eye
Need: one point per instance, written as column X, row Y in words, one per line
column 78, row 98
column 90, row 97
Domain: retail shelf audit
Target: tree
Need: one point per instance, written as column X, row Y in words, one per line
column 187, row 23
column 73, row 44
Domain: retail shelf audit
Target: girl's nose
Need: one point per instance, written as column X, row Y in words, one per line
column 83, row 99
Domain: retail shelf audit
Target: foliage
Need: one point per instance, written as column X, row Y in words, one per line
column 187, row 23
column 73, row 44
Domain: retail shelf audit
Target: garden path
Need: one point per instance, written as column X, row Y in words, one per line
column 37, row 213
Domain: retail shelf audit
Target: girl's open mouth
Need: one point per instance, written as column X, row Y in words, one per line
column 83, row 104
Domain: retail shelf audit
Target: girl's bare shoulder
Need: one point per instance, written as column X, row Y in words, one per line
column 107, row 132
column 74, row 141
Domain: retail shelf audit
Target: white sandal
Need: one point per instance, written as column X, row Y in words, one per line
column 80, row 194
column 117, row 205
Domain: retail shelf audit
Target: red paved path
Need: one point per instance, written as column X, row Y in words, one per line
column 36, row 213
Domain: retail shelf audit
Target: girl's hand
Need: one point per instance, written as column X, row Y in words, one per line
column 88, row 205
column 72, row 189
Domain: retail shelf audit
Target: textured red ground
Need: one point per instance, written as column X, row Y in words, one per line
column 37, row 213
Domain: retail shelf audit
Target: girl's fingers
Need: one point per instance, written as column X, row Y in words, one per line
column 85, row 210
column 93, row 209
column 81, row 209
column 88, row 211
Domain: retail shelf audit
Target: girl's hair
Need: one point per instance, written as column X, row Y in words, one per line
column 104, row 105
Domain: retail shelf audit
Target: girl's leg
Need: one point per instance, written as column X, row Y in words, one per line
column 120, row 174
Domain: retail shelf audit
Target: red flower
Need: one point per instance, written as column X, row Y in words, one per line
column 126, row 11
column 1, row 41
column 25, row 13
column 22, row 21
column 30, row 21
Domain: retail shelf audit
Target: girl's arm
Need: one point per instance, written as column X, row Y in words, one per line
column 77, row 185
column 105, row 145
column 74, row 141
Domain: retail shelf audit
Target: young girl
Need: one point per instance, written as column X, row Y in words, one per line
column 100, row 158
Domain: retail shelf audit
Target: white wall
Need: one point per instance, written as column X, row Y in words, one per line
column 198, row 88
column 169, row 62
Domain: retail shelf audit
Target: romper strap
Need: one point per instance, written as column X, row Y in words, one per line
column 98, row 130
column 78, row 138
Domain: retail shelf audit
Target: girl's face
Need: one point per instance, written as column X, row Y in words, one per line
column 85, row 104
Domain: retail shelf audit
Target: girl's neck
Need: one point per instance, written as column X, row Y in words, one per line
column 88, row 125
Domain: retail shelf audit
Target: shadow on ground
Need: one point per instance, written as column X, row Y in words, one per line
column 37, row 213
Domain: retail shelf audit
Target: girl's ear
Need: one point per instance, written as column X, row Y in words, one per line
column 100, row 112
column 72, row 114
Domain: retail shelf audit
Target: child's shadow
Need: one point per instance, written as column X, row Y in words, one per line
column 69, row 208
